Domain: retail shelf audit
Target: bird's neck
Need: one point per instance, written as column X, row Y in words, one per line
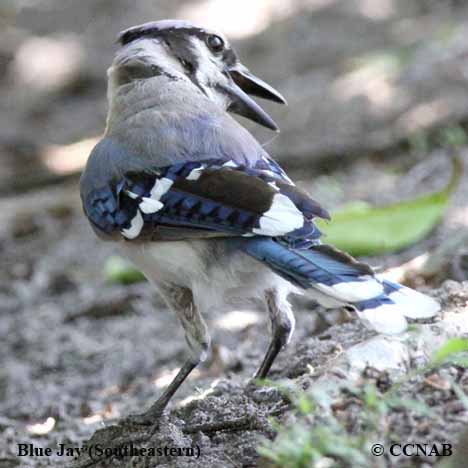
column 164, row 122
column 146, row 104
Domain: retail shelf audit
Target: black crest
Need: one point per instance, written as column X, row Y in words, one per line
column 160, row 28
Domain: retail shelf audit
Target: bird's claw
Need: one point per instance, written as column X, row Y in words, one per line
column 149, row 418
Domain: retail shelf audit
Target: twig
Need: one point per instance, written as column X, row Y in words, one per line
column 106, row 307
column 244, row 423
column 279, row 409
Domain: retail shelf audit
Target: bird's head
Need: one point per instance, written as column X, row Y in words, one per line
column 205, row 59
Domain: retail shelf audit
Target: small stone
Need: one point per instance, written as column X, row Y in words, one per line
column 438, row 382
column 381, row 352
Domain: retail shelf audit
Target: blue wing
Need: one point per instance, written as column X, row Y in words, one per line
column 212, row 197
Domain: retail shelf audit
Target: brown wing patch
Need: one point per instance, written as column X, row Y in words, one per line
column 231, row 188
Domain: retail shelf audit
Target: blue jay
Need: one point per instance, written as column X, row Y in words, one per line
column 200, row 207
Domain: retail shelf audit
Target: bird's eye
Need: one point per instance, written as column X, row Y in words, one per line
column 215, row 43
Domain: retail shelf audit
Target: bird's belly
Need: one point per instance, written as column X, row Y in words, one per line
column 218, row 277
column 173, row 262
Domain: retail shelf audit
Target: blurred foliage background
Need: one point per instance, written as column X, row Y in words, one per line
column 361, row 76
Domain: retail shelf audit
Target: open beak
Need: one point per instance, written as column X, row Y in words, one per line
column 254, row 85
column 244, row 83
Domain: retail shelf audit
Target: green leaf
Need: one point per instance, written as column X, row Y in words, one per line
column 304, row 404
column 449, row 349
column 364, row 230
column 454, row 137
column 120, row 271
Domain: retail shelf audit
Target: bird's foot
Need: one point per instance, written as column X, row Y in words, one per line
column 148, row 418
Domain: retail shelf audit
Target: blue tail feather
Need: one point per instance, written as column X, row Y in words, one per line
column 381, row 304
column 316, row 264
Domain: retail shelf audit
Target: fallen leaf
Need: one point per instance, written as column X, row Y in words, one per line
column 120, row 271
column 361, row 229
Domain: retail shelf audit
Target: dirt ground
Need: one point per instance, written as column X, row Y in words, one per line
column 84, row 352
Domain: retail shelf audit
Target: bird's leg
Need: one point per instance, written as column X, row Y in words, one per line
column 180, row 300
column 282, row 328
